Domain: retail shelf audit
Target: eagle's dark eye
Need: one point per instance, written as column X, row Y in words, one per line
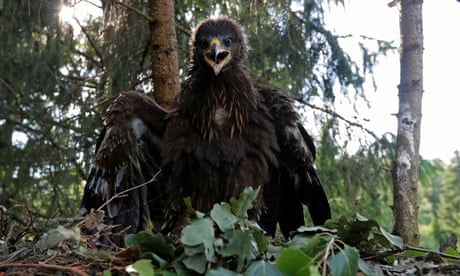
column 228, row 42
column 203, row 43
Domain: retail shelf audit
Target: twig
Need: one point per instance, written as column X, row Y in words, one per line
column 326, row 255
column 393, row 3
column 17, row 97
column 124, row 192
column 148, row 18
column 91, row 42
column 337, row 115
column 29, row 225
column 418, row 249
column 183, row 29
column 408, row 247
column 71, row 270
column 133, row 9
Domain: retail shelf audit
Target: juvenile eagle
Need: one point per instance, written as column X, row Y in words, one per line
column 220, row 136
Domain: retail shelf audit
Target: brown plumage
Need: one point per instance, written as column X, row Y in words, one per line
column 221, row 136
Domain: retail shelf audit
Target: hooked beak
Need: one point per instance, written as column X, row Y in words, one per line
column 216, row 56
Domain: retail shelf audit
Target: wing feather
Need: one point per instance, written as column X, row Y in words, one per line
column 294, row 181
column 127, row 157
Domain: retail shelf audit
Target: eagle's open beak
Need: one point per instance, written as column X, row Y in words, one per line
column 216, row 56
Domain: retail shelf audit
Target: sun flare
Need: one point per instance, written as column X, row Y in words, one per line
column 79, row 13
column 66, row 14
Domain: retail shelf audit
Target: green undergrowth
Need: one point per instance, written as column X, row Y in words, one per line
column 226, row 242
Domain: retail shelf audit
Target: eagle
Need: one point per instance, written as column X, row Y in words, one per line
column 219, row 136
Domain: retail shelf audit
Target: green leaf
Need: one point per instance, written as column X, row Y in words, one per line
column 452, row 252
column 261, row 240
column 240, row 244
column 353, row 230
column 309, row 245
column 262, row 268
column 54, row 236
column 147, row 242
column 364, row 268
column 223, row 216
column 393, row 239
column 345, row 263
column 188, row 206
column 143, row 267
column 189, row 209
column 241, row 205
column 200, row 231
column 196, row 263
column 221, row 272
column 157, row 260
column 413, row 253
column 193, row 250
column 293, row 261
column 300, row 241
column 449, row 250
column 50, row 239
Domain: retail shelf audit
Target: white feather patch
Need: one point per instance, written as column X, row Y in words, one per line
column 138, row 127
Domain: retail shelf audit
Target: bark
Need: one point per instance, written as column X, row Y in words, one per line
column 165, row 68
column 407, row 160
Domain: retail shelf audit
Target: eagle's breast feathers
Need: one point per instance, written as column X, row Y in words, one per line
column 226, row 143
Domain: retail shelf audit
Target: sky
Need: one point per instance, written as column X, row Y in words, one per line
column 440, row 136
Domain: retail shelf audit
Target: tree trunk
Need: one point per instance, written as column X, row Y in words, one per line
column 407, row 161
column 165, row 68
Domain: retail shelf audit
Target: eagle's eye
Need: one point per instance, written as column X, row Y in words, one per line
column 228, row 42
column 203, row 43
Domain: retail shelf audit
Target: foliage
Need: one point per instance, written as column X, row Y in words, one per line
column 439, row 204
column 365, row 176
column 41, row 106
column 226, row 242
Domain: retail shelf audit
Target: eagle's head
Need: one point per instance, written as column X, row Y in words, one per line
column 218, row 44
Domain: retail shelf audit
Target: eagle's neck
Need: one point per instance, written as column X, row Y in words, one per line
column 219, row 105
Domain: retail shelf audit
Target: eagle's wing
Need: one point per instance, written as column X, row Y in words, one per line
column 126, row 161
column 294, row 182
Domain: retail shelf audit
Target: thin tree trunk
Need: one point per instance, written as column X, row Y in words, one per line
column 407, row 161
column 165, row 68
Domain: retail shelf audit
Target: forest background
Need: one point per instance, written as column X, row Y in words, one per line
column 58, row 77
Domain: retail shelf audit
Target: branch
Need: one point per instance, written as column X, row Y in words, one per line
column 184, row 30
column 11, row 90
column 71, row 270
column 336, row 115
column 393, row 3
column 423, row 250
column 90, row 58
column 408, row 247
column 133, row 9
column 91, row 42
column 148, row 18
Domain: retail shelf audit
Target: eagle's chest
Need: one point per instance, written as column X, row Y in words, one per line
column 215, row 155
column 220, row 117
column 223, row 162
